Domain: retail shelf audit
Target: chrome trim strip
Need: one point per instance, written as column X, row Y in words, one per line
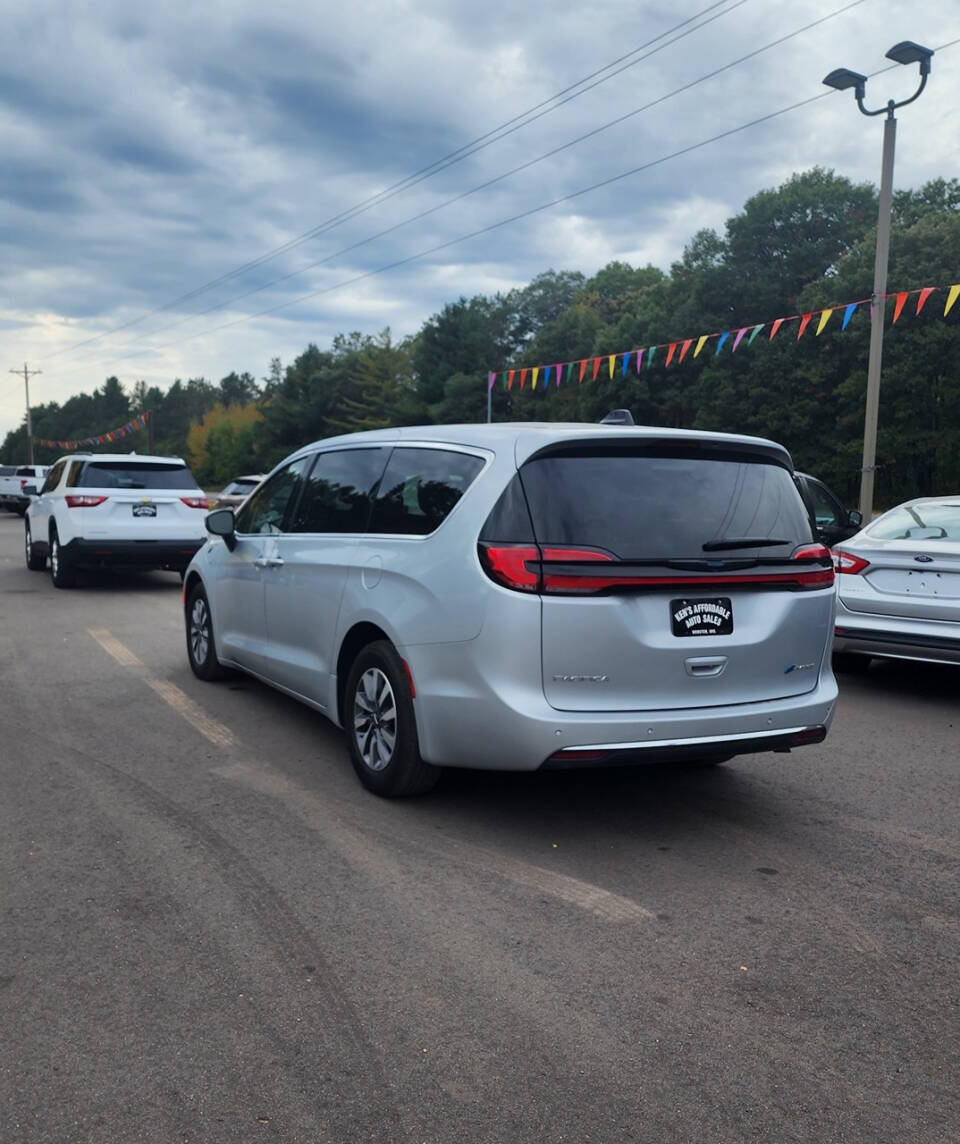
column 695, row 742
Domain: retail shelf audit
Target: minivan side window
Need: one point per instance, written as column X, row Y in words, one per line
column 420, row 488
column 53, row 477
column 267, row 509
column 337, row 493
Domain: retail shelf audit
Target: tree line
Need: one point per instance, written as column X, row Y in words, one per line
column 806, row 244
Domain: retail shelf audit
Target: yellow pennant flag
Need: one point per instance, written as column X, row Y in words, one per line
column 824, row 318
column 951, row 298
column 536, row 374
column 610, row 360
column 701, row 342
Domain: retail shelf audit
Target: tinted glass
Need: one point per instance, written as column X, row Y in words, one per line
column 336, row 495
column 239, row 488
column 266, row 510
column 649, row 506
column 825, row 509
column 53, row 477
column 7, row 470
column 134, row 475
column 76, row 468
column 919, row 522
column 419, row 489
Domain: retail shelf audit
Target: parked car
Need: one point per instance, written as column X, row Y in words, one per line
column 14, row 480
column 898, row 586
column 237, row 491
column 99, row 510
column 834, row 522
column 526, row 596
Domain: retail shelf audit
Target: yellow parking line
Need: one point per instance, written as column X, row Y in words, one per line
column 122, row 654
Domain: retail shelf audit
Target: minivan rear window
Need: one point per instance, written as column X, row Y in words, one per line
column 651, row 505
column 135, row 475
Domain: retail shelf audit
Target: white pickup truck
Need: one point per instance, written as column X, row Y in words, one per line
column 13, row 480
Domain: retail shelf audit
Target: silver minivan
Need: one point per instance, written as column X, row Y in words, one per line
column 526, row 596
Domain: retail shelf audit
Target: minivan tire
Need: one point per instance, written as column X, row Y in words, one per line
column 62, row 572
column 35, row 562
column 381, row 727
column 201, row 649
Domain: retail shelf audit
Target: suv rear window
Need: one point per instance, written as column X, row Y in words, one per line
column 665, row 504
column 135, row 475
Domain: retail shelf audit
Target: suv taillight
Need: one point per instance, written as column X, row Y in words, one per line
column 527, row 568
column 847, row 564
column 197, row 502
column 76, row 501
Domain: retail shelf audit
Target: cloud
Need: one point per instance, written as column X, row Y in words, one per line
column 150, row 149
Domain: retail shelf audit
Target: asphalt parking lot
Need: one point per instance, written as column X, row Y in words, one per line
column 210, row 932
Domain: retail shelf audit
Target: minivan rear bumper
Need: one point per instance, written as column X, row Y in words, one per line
column 485, row 719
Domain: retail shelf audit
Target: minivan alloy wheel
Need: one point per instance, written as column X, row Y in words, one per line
column 375, row 719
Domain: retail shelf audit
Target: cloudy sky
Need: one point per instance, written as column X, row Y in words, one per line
column 150, row 150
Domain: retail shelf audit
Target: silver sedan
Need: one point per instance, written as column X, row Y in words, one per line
column 898, row 586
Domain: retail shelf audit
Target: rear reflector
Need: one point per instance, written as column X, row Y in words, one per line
column 76, row 501
column 574, row 755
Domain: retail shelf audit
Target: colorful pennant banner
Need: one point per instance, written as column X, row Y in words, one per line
column 139, row 422
column 677, row 350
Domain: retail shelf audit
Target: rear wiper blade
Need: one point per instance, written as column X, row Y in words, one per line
column 742, row 542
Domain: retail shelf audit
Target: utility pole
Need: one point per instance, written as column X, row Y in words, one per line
column 27, row 374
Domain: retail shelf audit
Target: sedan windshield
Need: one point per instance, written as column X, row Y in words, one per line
column 931, row 521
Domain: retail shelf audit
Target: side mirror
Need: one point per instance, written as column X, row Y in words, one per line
column 30, row 491
column 221, row 522
column 855, row 517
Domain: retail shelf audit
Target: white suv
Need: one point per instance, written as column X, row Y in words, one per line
column 99, row 510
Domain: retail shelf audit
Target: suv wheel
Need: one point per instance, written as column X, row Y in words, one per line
column 62, row 572
column 381, row 728
column 200, row 647
column 35, row 562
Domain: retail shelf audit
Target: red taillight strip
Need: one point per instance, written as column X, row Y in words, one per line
column 197, row 502
column 816, row 578
column 76, row 501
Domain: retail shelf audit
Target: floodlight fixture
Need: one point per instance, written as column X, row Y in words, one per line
column 843, row 78
column 907, row 52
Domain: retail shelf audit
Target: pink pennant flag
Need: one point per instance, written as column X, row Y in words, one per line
column 901, row 302
column 739, row 338
column 683, row 350
column 671, row 351
column 804, row 322
column 559, row 368
column 924, row 295
column 776, row 326
column 639, row 359
column 491, row 381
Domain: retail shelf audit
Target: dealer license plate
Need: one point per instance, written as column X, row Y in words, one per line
column 144, row 510
column 712, row 616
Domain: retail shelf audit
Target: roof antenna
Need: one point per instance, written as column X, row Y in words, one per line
column 618, row 417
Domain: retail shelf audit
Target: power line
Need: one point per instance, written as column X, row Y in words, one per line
column 505, row 175
column 453, row 157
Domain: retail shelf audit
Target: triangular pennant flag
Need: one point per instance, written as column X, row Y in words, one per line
column 523, row 377
column 559, row 370
column 804, row 322
column 739, row 338
column 776, row 326
column 639, row 359
column 951, row 298
column 924, row 295
column 536, row 374
column 683, row 350
column 753, row 333
column 583, row 367
column 624, row 364
column 610, row 360
column 596, row 367
column 901, row 302
column 510, row 376
column 848, row 314
column 546, row 377
column 723, row 337
column 653, row 350
column 671, row 351
column 701, row 342
column 824, row 318
column 569, row 371
column 491, row 380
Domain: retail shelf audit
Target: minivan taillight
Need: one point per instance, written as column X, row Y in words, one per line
column 847, row 564
column 77, row 501
column 512, row 565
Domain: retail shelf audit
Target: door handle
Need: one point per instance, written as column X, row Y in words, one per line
column 705, row 666
column 261, row 562
column 268, row 562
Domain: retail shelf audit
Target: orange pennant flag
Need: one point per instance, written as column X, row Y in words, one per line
column 596, row 367
column 824, row 318
column 901, row 302
column 804, row 322
column 510, row 379
column 924, row 295
column 683, row 349
column 776, row 326
column 951, row 298
column 701, row 342
column 671, row 351
column 523, row 377
column 583, row 368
